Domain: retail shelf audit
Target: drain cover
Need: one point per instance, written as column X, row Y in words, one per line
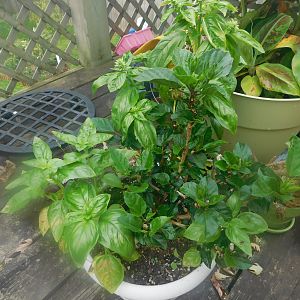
column 38, row 114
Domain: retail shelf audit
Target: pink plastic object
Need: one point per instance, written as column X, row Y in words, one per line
column 131, row 42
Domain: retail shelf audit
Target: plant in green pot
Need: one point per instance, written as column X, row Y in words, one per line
column 280, row 185
column 149, row 180
column 267, row 96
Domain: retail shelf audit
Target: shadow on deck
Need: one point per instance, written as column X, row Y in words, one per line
column 32, row 268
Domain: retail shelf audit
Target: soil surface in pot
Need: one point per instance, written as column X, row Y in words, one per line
column 158, row 266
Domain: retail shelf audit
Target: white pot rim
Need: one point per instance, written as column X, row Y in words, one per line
column 266, row 99
column 165, row 291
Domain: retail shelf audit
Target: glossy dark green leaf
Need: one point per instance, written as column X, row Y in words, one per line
column 109, row 271
column 240, row 238
column 254, row 223
column 75, row 171
column 145, row 133
column 77, row 194
column 103, row 125
column 233, row 260
column 146, row 160
column 81, row 237
column 131, row 222
column 191, row 258
column 246, row 37
column 126, row 98
column 120, row 160
column 265, row 186
column 162, row 75
column 114, row 236
column 112, row 180
column 162, row 178
column 161, row 56
column 157, row 223
column 136, row 203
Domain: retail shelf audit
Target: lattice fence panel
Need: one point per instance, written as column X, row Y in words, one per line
column 125, row 14
column 37, row 41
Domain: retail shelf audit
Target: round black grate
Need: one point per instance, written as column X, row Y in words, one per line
column 38, row 114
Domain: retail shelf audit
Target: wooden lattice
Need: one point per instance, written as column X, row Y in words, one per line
column 124, row 14
column 36, row 42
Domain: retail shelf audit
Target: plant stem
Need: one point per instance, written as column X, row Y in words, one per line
column 186, row 149
column 178, row 224
column 243, row 7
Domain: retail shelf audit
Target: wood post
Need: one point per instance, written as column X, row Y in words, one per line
column 92, row 31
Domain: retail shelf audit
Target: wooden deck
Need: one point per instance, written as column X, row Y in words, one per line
column 32, row 268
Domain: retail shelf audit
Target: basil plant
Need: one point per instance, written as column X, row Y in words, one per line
column 152, row 172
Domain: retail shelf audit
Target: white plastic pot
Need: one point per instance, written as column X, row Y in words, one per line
column 172, row 290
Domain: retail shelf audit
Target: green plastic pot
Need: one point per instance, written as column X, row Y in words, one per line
column 281, row 218
column 265, row 124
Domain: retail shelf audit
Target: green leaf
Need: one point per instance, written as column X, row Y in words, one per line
column 222, row 109
column 253, row 223
column 162, row 178
column 296, row 67
column 251, row 85
column 75, row 171
column 66, row 138
column 213, row 28
column 101, row 81
column 145, row 133
column 161, row 56
column 240, row 238
column 292, row 42
column 265, row 186
column 236, row 261
column 112, row 180
column 41, row 150
column 114, row 236
column 234, row 203
column 126, row 98
column 81, row 237
column 120, row 160
column 157, row 223
column 138, row 189
column 103, row 125
column 214, row 64
column 136, row 203
column 56, row 218
column 131, row 222
column 146, row 160
column 293, row 158
column 205, row 228
column 190, row 189
column 191, row 258
column 98, row 205
column 272, row 32
column 277, row 78
column 160, row 75
column 246, row 37
column 189, row 15
column 77, row 194
column 243, row 151
column 116, row 81
column 109, row 271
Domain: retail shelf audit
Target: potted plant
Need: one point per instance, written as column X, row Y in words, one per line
column 267, row 97
column 150, row 179
column 281, row 186
column 268, row 77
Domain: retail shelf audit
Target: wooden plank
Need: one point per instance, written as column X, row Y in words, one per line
column 18, row 76
column 34, row 273
column 64, row 6
column 280, row 259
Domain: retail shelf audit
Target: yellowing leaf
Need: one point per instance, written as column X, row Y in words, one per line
column 256, row 269
column 251, row 86
column 43, row 221
column 293, row 42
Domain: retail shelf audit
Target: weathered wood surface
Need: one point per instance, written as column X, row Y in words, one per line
column 41, row 272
